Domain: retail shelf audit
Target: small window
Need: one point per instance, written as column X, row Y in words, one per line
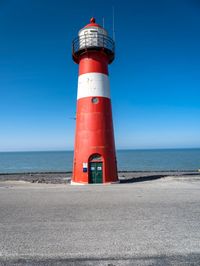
column 95, row 100
column 95, row 157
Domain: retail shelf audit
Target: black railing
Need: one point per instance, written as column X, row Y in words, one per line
column 93, row 41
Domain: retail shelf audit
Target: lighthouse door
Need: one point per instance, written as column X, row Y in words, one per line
column 95, row 176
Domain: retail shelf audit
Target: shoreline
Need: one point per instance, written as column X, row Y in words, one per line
column 65, row 177
column 119, row 171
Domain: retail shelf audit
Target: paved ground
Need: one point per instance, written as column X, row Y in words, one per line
column 148, row 223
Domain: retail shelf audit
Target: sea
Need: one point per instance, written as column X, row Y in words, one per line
column 127, row 160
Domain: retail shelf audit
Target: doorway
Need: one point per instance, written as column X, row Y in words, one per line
column 95, row 172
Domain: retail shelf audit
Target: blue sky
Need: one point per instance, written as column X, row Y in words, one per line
column 155, row 79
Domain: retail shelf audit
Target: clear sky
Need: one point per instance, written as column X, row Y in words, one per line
column 155, row 79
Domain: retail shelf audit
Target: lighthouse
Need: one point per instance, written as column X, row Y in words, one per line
column 94, row 151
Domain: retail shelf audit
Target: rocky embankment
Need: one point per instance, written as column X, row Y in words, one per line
column 65, row 177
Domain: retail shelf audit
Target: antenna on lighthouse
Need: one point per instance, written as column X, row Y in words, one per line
column 113, row 20
column 103, row 22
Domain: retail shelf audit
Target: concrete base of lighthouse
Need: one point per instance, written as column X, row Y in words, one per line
column 83, row 184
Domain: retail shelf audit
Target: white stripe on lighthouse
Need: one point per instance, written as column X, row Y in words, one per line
column 92, row 85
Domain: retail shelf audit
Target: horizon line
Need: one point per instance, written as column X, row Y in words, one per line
column 120, row 149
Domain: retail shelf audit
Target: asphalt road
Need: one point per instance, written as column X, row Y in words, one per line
column 148, row 223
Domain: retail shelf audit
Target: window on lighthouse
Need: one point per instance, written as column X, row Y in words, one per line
column 95, row 100
column 91, row 38
column 95, row 157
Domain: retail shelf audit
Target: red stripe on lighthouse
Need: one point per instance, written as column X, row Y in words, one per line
column 93, row 62
column 94, row 134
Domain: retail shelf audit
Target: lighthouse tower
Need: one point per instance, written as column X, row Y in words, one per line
column 94, row 151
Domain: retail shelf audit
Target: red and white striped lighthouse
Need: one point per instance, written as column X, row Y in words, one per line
column 94, row 151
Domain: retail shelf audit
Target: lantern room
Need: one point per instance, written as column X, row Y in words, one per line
column 93, row 37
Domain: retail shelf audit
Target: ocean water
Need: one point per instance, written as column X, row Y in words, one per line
column 129, row 160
